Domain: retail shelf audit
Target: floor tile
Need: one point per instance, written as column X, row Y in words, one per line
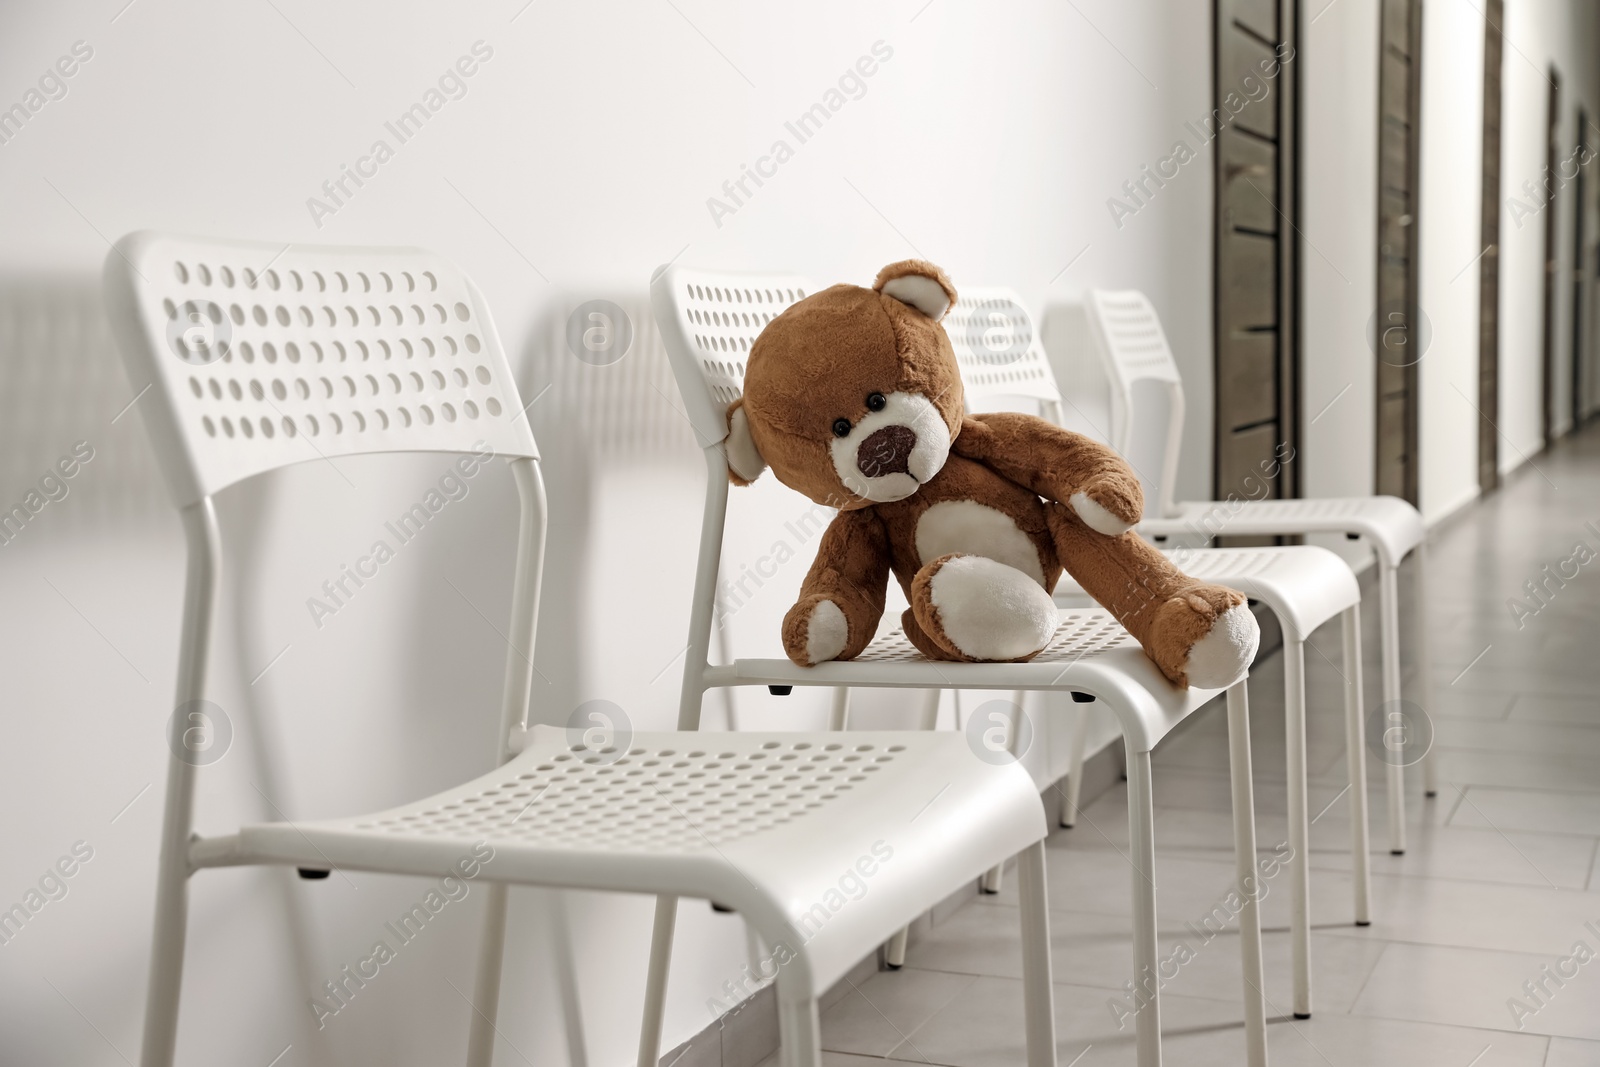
column 1571, row 711
column 1471, row 987
column 880, row 1013
column 1565, row 1052
column 1543, row 810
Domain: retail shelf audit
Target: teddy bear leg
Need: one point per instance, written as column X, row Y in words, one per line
column 975, row 608
column 1198, row 634
column 921, row 641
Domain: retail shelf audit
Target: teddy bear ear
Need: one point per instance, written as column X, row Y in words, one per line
column 745, row 463
column 918, row 284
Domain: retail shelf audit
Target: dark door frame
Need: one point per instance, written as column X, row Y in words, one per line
column 1395, row 330
column 1284, row 481
column 1580, row 266
column 1489, row 263
column 1552, row 238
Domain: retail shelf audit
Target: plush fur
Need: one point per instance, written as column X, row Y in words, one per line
column 853, row 397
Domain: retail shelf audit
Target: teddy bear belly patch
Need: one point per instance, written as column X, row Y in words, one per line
column 970, row 528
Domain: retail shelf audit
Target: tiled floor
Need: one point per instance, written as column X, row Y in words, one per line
column 1500, row 880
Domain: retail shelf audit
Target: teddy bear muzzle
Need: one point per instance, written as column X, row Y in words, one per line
column 889, row 453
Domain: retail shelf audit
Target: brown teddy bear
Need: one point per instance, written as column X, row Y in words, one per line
column 853, row 397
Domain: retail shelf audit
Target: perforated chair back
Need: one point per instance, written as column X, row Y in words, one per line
column 257, row 356
column 708, row 321
column 999, row 352
column 1127, row 336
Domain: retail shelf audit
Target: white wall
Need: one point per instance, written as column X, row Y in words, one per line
column 581, row 157
column 1449, row 243
column 1339, row 106
column 1538, row 35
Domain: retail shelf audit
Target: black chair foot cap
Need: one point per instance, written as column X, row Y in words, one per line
column 1368, row 922
column 723, row 908
column 1431, row 793
column 893, row 966
column 1066, row 825
column 987, row 892
column 1307, row 1015
column 312, row 874
column 780, row 690
column 1397, row 852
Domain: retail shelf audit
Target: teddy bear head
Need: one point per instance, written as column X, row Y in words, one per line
column 852, row 396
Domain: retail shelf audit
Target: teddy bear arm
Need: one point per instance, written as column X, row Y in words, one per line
column 1058, row 464
column 842, row 597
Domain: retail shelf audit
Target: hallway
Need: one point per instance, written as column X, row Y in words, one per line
column 1501, row 878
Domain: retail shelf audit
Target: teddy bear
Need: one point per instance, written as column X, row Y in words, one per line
column 853, row 397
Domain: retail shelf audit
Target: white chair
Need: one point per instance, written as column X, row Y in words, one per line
column 708, row 321
column 1127, row 333
column 1002, row 360
column 258, row 357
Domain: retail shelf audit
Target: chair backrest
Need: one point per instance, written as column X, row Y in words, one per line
column 708, row 320
column 1128, row 338
column 257, row 356
column 999, row 351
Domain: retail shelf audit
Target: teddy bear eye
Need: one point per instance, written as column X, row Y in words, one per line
column 876, row 402
column 841, row 427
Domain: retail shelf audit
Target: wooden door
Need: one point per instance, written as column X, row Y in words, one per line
column 1551, row 240
column 1580, row 266
column 1397, row 333
column 1489, row 262
column 1256, row 337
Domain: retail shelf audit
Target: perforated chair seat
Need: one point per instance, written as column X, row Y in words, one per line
column 1091, row 653
column 1304, row 585
column 768, row 823
column 1393, row 526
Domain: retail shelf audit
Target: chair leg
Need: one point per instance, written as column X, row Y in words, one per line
column 1294, row 732
column 166, row 952
column 1430, row 759
column 1244, row 851
column 1389, row 631
column 655, row 986
column 1146, row 976
column 1038, row 1006
column 839, row 713
column 1074, row 793
column 994, row 878
column 486, row 990
column 799, row 1030
column 1356, row 758
column 894, row 950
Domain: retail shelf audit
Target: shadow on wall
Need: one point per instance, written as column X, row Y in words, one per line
column 625, row 486
column 64, row 397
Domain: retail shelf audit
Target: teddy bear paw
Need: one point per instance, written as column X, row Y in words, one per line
column 1099, row 518
column 1223, row 655
column 1205, row 637
column 815, row 631
column 980, row 609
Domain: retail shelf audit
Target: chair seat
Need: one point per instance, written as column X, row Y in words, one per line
column 824, row 842
column 1304, row 585
column 1392, row 524
column 1091, row 653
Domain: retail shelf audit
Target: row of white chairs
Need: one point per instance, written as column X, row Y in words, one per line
column 787, row 811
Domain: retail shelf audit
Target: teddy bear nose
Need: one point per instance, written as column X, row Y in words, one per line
column 886, row 451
